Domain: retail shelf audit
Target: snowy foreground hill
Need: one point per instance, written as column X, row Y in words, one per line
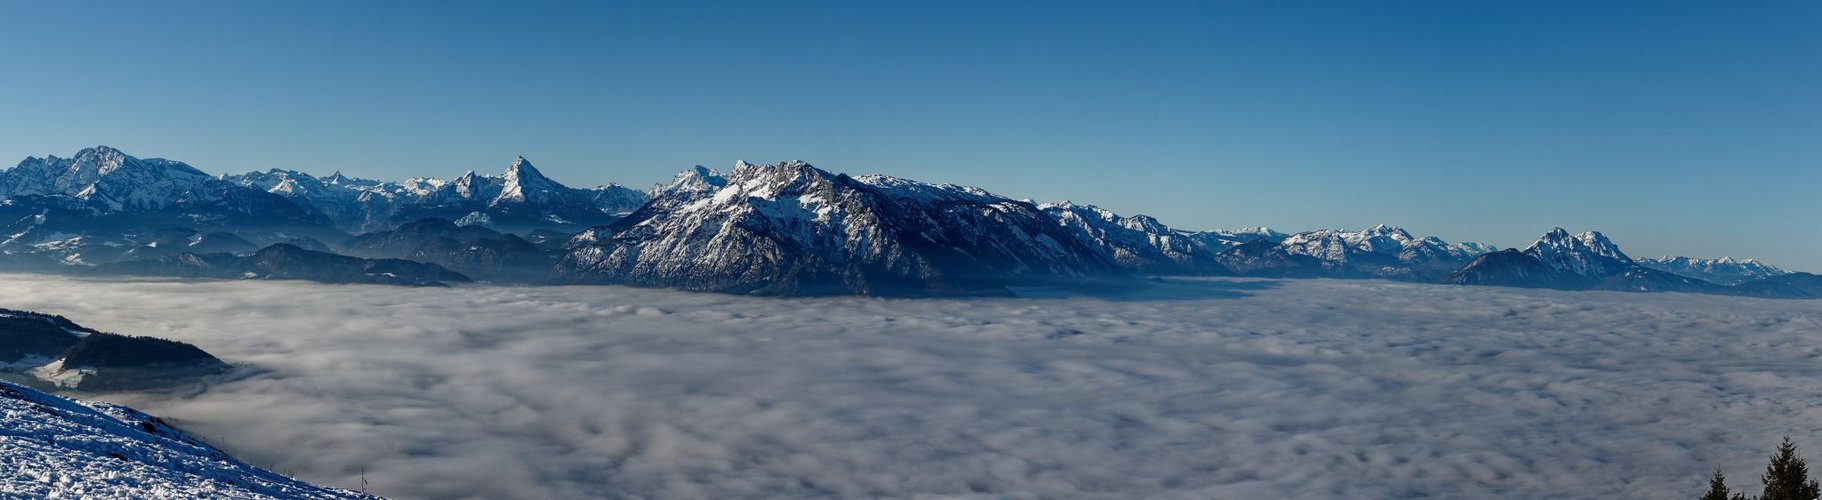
column 55, row 447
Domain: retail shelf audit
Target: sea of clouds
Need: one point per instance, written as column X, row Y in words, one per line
column 1192, row 389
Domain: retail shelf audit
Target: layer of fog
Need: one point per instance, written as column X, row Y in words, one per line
column 1198, row 389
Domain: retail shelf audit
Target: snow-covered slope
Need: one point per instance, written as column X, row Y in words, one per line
column 1588, row 254
column 698, row 180
column 524, row 184
column 1341, row 245
column 105, row 176
column 1221, row 239
column 1725, row 270
column 792, row 228
column 336, row 196
column 1336, row 245
column 1139, row 243
column 55, row 447
column 1380, row 251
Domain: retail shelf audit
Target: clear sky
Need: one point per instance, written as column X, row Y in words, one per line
column 1689, row 128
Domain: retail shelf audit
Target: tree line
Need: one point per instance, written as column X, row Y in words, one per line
column 1785, row 478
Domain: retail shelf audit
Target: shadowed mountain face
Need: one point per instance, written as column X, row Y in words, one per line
column 24, row 335
column 1267, row 258
column 471, row 250
column 283, row 261
column 1561, row 261
column 1589, row 261
column 548, row 240
column 121, row 362
column 793, row 229
column 1511, row 267
column 48, row 350
column 1784, row 286
column 172, row 241
column 109, row 350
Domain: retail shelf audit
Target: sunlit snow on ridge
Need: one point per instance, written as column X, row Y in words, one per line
column 1197, row 389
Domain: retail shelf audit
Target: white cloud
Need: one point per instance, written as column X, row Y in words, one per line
column 1305, row 389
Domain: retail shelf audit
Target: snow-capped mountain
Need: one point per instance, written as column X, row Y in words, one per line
column 105, row 177
column 337, row 197
column 101, row 204
column 1725, row 270
column 792, row 228
column 1139, row 243
column 1265, row 258
column 1220, row 239
column 104, row 180
column 57, row 447
column 1588, row 254
column 689, row 185
column 1380, row 251
column 1341, row 245
column 1573, row 262
column 520, row 199
column 523, row 184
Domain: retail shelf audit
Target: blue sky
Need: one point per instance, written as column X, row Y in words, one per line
column 1676, row 127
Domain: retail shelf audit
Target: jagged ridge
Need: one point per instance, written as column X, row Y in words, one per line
column 791, row 228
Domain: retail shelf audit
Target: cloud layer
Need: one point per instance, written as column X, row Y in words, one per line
column 1196, row 389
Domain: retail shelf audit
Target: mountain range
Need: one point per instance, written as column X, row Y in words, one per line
column 794, row 229
column 1722, row 271
column 781, row 229
column 520, row 199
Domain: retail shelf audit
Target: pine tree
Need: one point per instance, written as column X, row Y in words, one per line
column 1717, row 487
column 1787, row 476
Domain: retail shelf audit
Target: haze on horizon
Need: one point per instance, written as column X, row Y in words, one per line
column 1674, row 127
